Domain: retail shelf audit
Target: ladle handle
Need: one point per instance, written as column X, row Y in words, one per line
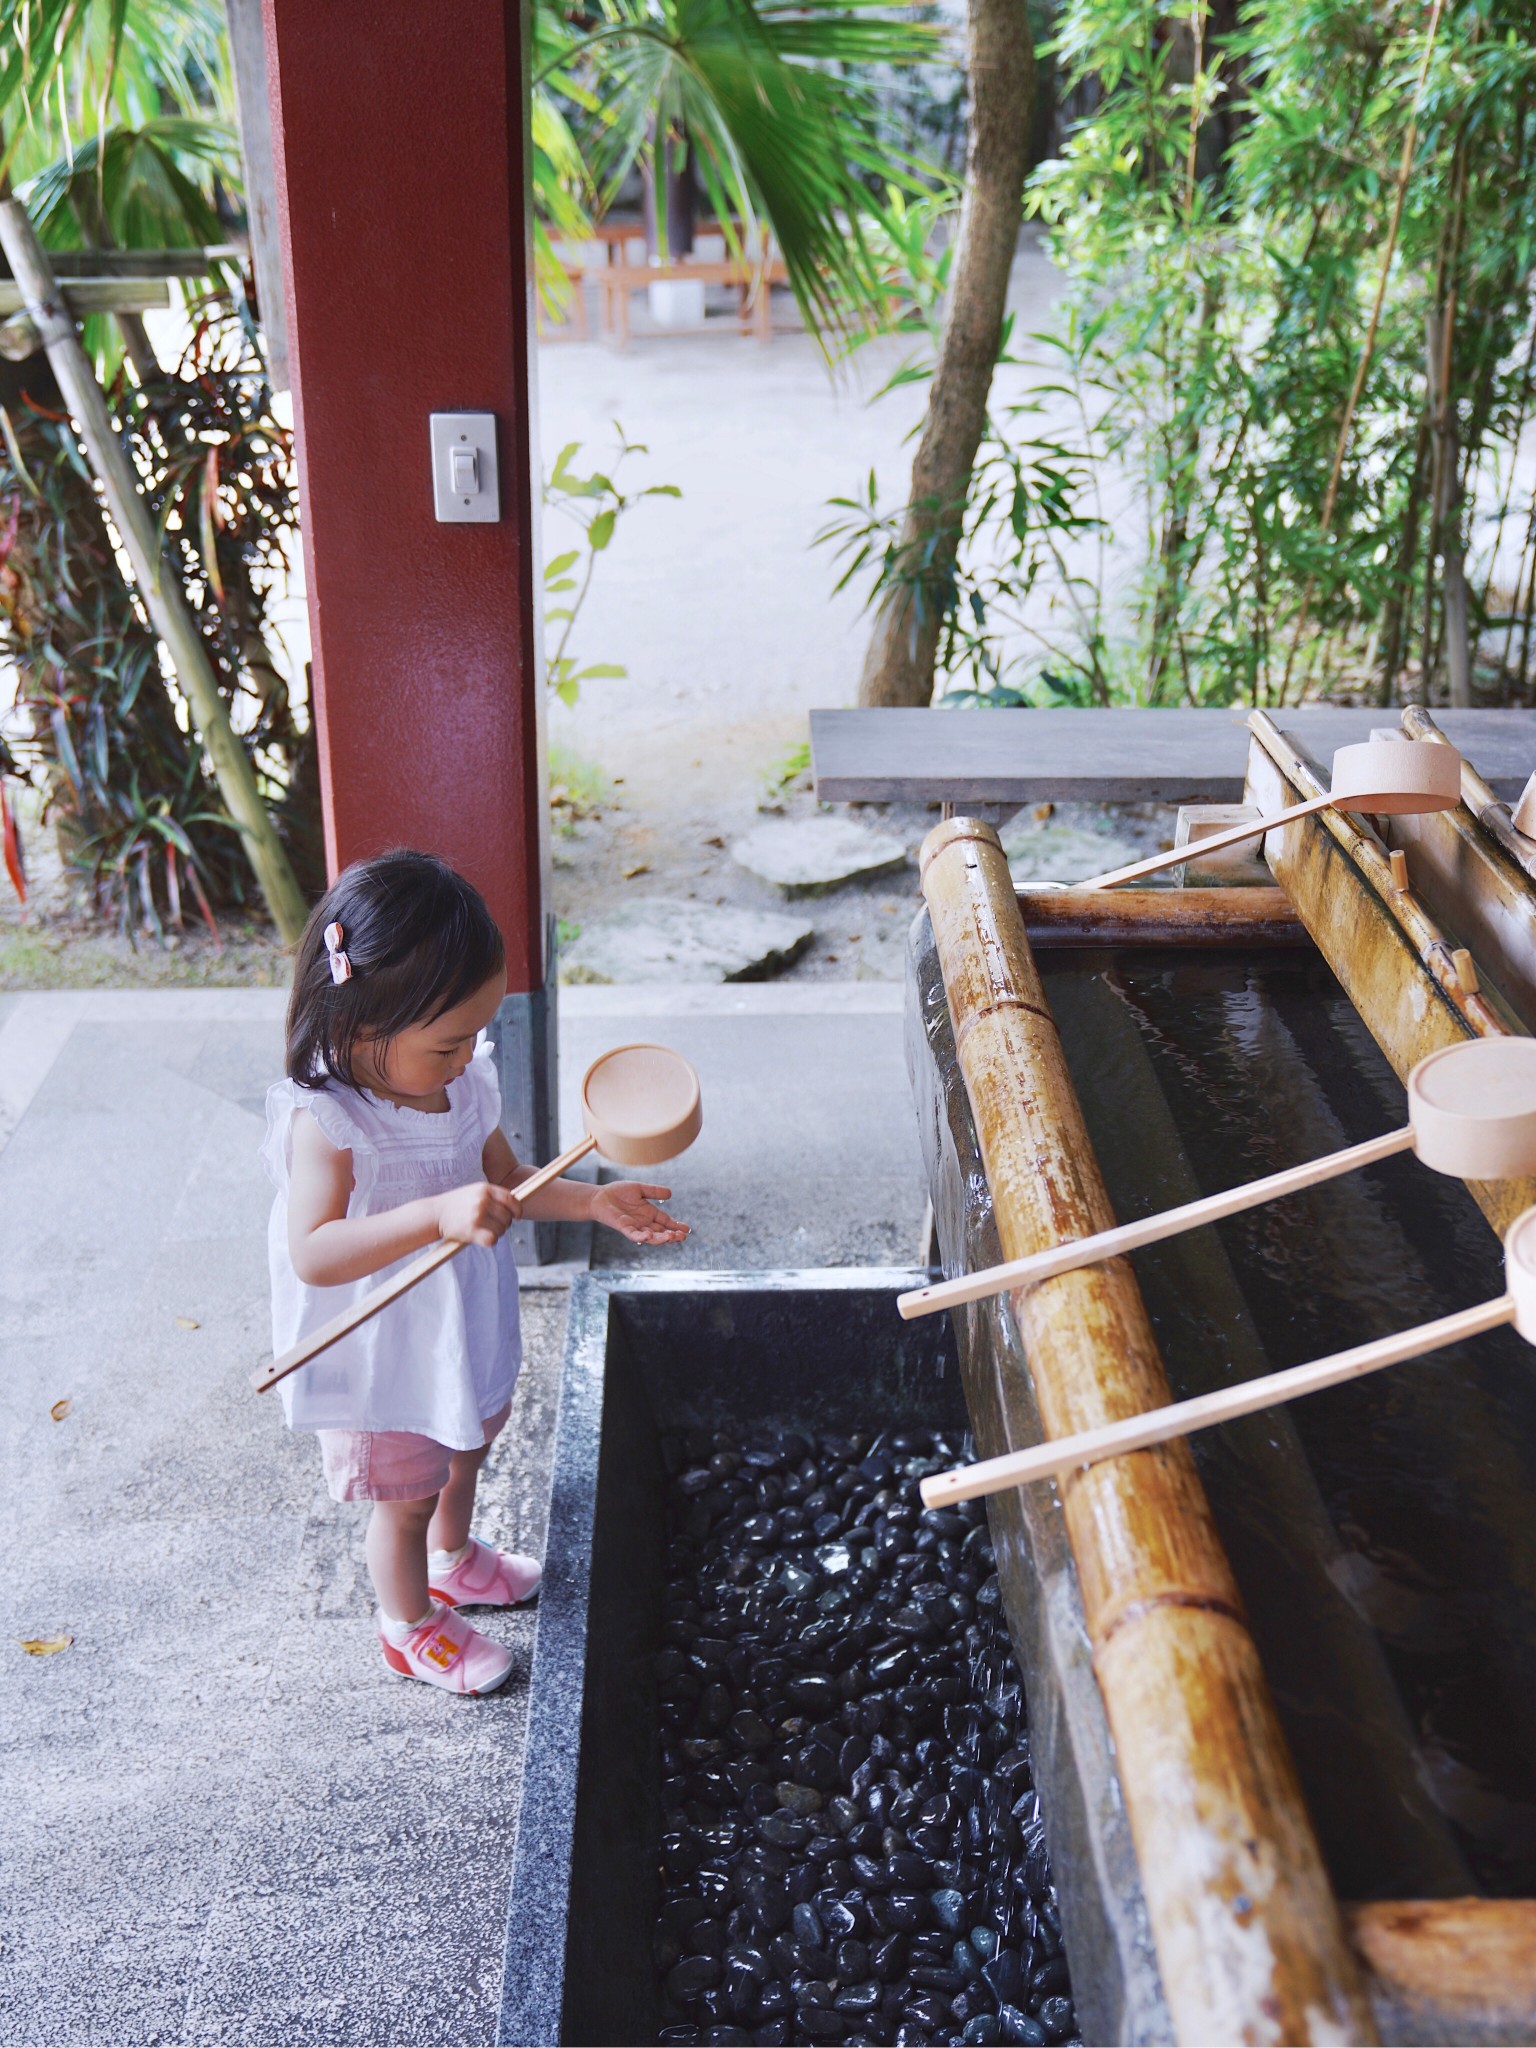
column 553, row 1171
column 1160, row 1425
column 437, row 1255
column 1235, row 836
column 1129, row 1237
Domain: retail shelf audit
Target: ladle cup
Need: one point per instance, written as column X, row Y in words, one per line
column 1387, row 778
column 1471, row 1113
column 640, row 1104
column 1160, row 1425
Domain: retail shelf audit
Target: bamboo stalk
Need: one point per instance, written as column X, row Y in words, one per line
column 1248, row 1935
column 1490, row 811
column 1371, row 857
column 1395, row 963
column 1451, row 1969
column 1245, row 916
column 161, row 594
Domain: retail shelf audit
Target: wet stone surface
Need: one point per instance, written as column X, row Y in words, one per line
column 852, row 1847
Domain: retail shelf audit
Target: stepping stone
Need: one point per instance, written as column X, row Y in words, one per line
column 1052, row 852
column 657, row 939
column 808, row 856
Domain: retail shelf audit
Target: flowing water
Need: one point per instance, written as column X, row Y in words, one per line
column 1383, row 1533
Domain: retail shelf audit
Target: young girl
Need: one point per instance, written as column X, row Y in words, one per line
column 384, row 1138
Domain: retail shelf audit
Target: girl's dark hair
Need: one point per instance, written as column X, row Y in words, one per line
column 420, row 940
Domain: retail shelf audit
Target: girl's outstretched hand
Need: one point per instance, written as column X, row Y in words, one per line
column 629, row 1207
column 478, row 1213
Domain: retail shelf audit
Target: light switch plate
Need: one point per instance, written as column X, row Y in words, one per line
column 460, row 433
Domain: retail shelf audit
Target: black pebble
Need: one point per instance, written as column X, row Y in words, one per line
column 853, row 1850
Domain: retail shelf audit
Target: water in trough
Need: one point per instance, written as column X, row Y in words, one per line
column 1383, row 1533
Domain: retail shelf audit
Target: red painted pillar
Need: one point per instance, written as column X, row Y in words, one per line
column 400, row 134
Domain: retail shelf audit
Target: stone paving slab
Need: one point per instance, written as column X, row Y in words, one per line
column 658, row 939
column 809, row 856
column 222, row 1819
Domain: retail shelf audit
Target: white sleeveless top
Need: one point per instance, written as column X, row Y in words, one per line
column 446, row 1354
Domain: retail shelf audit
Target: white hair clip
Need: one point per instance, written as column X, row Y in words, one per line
column 341, row 966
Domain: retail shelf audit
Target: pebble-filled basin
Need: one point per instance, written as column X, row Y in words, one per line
column 731, row 1818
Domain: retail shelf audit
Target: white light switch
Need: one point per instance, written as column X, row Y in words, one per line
column 464, row 482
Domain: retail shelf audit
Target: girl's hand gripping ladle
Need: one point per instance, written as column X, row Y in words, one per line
column 1471, row 1113
column 640, row 1105
column 1388, row 778
column 1160, row 1425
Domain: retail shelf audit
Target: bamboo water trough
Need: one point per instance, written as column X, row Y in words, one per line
column 1251, row 1944
column 1250, row 1940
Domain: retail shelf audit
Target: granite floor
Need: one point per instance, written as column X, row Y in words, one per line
column 223, row 1819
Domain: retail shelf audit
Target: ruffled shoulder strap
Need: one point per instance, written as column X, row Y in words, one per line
column 481, row 1086
column 339, row 1124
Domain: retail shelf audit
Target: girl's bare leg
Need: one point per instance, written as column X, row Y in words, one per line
column 456, row 1502
column 396, row 1549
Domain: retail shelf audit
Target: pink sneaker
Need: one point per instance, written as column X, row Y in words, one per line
column 447, row 1652
column 487, row 1578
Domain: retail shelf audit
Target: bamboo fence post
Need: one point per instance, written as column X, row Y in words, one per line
column 161, row 593
column 1248, row 1934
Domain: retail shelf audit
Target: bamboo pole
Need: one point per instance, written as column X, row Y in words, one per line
column 1248, row 1934
column 1161, row 917
column 162, row 595
column 1396, row 965
column 1451, row 1969
column 1490, row 811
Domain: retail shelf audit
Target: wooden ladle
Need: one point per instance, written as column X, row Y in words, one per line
column 1471, row 1112
column 640, row 1104
column 1516, row 1305
column 1387, row 778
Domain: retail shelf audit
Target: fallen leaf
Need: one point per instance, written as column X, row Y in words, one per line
column 188, row 1323
column 641, row 867
column 829, row 956
column 44, row 1646
column 1043, row 811
column 854, row 938
column 714, row 839
column 61, row 1408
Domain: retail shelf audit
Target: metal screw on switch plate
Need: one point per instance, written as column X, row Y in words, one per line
column 464, row 479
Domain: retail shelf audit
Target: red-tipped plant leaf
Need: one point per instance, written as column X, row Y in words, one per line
column 10, row 839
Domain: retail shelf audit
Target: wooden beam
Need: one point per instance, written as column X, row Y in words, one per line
column 1125, row 755
column 253, row 112
column 85, row 295
column 1249, row 1938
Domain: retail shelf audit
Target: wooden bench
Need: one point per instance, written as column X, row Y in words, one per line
column 616, row 281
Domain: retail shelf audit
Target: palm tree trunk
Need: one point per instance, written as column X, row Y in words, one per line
column 1000, row 57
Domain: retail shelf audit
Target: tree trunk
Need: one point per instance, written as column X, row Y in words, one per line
column 1000, row 57
column 670, row 224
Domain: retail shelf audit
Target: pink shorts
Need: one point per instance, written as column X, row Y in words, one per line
column 391, row 1464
